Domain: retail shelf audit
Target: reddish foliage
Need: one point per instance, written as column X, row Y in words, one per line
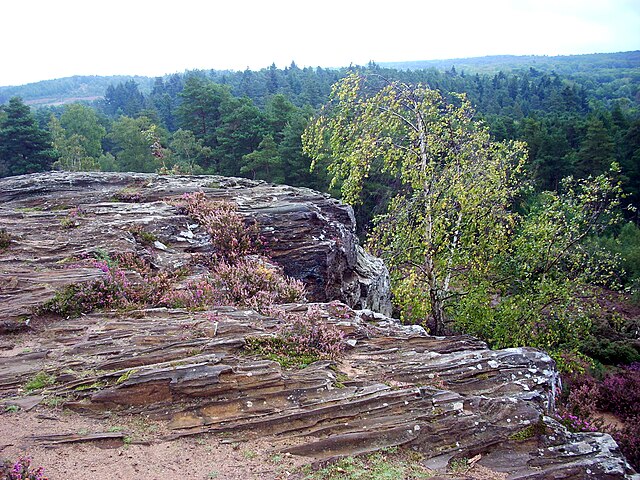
column 249, row 282
column 620, row 392
column 310, row 334
column 628, row 439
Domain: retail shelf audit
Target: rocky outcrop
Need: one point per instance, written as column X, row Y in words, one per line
column 446, row 397
column 311, row 235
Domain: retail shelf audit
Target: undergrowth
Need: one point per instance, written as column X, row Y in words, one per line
column 142, row 236
column 231, row 238
column 21, row 470
column 128, row 194
column 113, row 290
column 41, row 380
column 618, row 392
column 248, row 283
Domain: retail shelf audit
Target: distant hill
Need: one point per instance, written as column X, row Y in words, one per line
column 591, row 70
column 69, row 89
column 563, row 64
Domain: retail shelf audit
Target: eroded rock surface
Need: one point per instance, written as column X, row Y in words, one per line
column 447, row 397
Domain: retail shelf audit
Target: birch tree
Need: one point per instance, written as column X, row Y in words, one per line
column 449, row 217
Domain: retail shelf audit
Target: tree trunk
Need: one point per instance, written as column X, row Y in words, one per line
column 437, row 311
column 437, row 304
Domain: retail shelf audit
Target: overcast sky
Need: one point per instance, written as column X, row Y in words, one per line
column 45, row 39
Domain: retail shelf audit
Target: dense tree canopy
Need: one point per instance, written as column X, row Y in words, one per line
column 134, row 140
column 81, row 120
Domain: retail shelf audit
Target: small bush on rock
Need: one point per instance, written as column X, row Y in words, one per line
column 300, row 340
column 574, row 423
column 230, row 237
column 249, row 283
column 72, row 218
column 196, row 294
column 254, row 283
column 142, row 236
column 130, row 194
column 388, row 463
column 112, row 290
column 41, row 380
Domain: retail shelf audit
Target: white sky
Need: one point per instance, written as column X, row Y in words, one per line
column 45, row 39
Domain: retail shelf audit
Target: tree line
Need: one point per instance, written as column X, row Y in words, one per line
column 249, row 124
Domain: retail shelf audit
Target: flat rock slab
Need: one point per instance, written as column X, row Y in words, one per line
column 76, row 437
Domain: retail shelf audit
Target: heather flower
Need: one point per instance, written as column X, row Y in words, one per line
column 254, row 283
column 197, row 293
column 620, row 392
column 231, row 238
column 248, row 283
column 575, row 423
column 309, row 333
column 21, row 470
column 340, row 310
column 628, row 438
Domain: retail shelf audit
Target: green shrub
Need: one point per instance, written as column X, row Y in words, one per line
column 142, row 236
column 385, row 464
column 41, row 380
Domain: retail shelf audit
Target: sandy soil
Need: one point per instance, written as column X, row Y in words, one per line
column 144, row 456
column 202, row 457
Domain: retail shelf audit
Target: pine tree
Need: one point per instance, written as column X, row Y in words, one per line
column 24, row 147
column 597, row 150
column 264, row 163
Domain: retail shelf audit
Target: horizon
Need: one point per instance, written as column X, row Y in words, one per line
column 133, row 75
column 45, row 40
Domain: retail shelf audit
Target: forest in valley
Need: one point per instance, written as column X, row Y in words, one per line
column 553, row 259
